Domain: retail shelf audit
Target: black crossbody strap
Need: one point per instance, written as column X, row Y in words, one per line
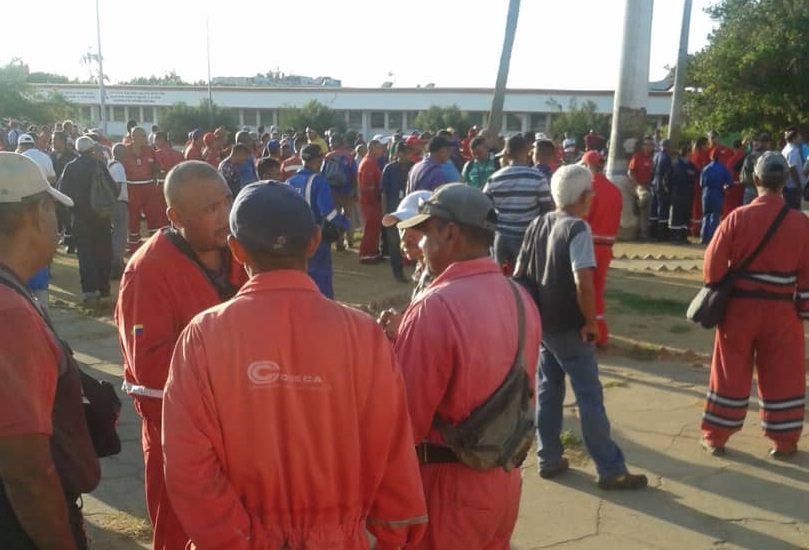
column 767, row 236
column 518, row 362
column 221, row 283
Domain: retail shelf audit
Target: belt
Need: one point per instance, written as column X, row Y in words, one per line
column 432, row 453
column 141, row 391
column 763, row 295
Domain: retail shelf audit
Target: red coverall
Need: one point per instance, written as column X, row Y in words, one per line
column 161, row 291
column 455, row 349
column 700, row 159
column 735, row 195
column 144, row 193
column 369, row 178
column 605, row 220
column 272, row 442
column 764, row 329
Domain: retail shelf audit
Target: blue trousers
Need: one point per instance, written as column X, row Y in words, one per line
column 506, row 249
column 711, row 213
column 320, row 270
column 566, row 354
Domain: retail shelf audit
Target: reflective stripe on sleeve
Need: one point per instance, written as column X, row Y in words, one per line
column 139, row 182
column 332, row 215
column 396, row 524
column 142, row 391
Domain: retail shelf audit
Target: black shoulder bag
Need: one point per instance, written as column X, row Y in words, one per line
column 708, row 306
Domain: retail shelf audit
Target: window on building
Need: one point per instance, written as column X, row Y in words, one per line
column 250, row 117
column 539, row 122
column 116, row 114
column 513, row 123
column 395, row 120
column 148, row 114
column 86, row 114
column 355, row 120
column 266, row 118
column 475, row 118
column 377, row 119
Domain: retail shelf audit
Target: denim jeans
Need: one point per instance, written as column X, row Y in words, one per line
column 792, row 196
column 506, row 249
column 565, row 353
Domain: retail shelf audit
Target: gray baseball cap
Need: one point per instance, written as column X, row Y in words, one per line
column 21, row 177
column 771, row 163
column 459, row 203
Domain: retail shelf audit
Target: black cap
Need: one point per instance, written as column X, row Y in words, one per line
column 311, row 152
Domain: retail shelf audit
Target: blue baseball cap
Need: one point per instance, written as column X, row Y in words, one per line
column 272, row 218
column 273, row 145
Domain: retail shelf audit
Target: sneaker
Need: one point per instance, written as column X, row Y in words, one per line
column 783, row 454
column 713, row 450
column 550, row 472
column 623, row 482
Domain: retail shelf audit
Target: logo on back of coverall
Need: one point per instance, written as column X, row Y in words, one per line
column 269, row 373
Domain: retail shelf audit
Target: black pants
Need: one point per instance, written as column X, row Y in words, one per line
column 663, row 213
column 680, row 217
column 391, row 235
column 13, row 537
column 93, row 237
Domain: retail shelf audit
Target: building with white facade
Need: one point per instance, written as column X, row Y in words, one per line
column 369, row 110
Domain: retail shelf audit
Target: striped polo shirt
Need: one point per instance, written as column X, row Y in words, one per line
column 520, row 194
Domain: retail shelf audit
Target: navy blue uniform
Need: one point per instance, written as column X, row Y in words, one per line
column 714, row 178
column 681, row 187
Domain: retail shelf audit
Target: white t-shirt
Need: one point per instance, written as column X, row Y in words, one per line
column 43, row 161
column 118, row 173
column 792, row 152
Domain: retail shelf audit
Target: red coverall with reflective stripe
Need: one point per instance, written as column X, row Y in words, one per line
column 369, row 178
column 605, row 220
column 763, row 331
column 274, row 441
column 455, row 349
column 161, row 291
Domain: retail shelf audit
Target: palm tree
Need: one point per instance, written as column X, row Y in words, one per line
column 496, row 113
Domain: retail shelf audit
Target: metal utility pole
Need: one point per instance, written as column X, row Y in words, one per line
column 499, row 98
column 210, row 90
column 101, row 89
column 629, row 109
column 676, row 115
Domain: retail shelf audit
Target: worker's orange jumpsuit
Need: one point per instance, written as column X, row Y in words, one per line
column 273, row 440
column 161, row 291
column 605, row 220
column 762, row 324
column 455, row 349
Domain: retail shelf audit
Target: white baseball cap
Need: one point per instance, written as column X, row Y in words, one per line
column 20, row 177
column 408, row 208
column 26, row 139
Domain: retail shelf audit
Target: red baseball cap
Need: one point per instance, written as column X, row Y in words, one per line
column 593, row 157
column 208, row 138
column 414, row 141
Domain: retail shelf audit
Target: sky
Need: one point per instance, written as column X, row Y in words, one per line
column 451, row 43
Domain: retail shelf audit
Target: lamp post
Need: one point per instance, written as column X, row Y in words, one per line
column 676, row 115
column 101, row 89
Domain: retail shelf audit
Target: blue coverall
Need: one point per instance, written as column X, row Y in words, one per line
column 713, row 180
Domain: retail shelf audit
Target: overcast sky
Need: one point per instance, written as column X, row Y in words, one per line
column 560, row 44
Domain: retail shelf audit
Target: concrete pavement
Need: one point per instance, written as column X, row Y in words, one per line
column 695, row 501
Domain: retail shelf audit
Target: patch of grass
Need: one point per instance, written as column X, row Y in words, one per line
column 680, row 329
column 648, row 304
column 570, row 441
column 615, row 384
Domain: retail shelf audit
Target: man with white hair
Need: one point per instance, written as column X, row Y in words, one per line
column 556, row 264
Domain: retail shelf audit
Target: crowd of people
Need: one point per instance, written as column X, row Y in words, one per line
column 409, row 428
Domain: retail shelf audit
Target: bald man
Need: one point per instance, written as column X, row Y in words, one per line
column 180, row 271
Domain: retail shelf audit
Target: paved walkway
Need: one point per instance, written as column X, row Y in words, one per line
column 744, row 501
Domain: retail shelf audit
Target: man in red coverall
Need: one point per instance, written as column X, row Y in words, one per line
column 763, row 320
column 369, row 178
column 605, row 220
column 455, row 349
column 177, row 273
column 142, row 170
column 271, row 442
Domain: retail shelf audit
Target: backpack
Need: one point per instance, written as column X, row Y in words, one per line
column 335, row 171
column 500, row 431
column 104, row 192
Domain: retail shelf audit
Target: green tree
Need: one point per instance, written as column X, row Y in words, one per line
column 180, row 118
column 19, row 100
column 171, row 78
column 438, row 118
column 754, row 72
column 579, row 120
column 314, row 114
